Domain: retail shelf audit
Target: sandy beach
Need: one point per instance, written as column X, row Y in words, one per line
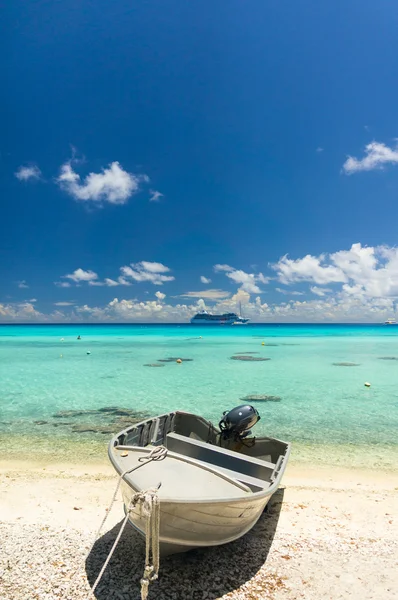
column 329, row 533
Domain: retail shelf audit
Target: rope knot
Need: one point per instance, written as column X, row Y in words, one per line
column 149, row 574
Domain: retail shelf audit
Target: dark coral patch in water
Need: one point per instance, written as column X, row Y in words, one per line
column 388, row 357
column 346, row 364
column 248, row 358
column 154, row 365
column 261, row 398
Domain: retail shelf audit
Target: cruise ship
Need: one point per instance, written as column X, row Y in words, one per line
column 390, row 322
column 205, row 318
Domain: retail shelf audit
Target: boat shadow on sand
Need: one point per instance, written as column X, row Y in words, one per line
column 207, row 573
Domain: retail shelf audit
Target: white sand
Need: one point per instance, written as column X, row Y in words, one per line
column 336, row 537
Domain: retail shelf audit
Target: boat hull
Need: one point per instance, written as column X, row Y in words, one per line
column 186, row 526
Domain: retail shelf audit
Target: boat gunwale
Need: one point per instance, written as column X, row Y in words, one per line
column 262, row 494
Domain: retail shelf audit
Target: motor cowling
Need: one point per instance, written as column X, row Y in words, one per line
column 237, row 422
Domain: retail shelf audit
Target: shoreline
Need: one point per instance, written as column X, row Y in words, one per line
column 335, row 521
column 92, row 449
column 297, row 473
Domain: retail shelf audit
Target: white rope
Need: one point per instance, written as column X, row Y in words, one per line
column 150, row 509
column 149, row 506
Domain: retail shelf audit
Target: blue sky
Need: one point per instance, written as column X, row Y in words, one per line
column 144, row 143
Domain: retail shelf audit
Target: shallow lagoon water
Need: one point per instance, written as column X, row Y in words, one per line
column 325, row 409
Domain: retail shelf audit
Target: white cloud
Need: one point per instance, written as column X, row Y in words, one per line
column 80, row 275
column 32, row 300
column 289, row 292
column 217, row 268
column 151, row 272
column 160, row 296
column 110, row 282
column 134, row 311
column 152, row 267
column 204, row 279
column 368, row 271
column 318, row 291
column 26, row 173
column 309, row 268
column 113, row 184
column 22, row 284
column 20, row 312
column 319, row 149
column 62, row 284
column 208, row 294
column 122, row 281
column 155, row 196
column 377, row 156
column 64, row 303
column 248, row 281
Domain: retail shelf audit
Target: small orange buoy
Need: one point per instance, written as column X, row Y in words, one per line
column 179, row 361
column 263, row 343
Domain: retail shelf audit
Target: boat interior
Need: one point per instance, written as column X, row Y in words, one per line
column 254, row 463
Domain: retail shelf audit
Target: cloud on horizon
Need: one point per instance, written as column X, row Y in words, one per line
column 208, row 294
column 340, row 309
column 366, row 271
column 355, row 285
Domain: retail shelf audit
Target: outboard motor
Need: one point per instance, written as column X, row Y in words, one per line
column 236, row 423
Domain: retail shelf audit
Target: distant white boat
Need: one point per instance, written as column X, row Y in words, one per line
column 241, row 320
column 390, row 322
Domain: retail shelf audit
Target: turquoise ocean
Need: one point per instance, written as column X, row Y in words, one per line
column 317, row 402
